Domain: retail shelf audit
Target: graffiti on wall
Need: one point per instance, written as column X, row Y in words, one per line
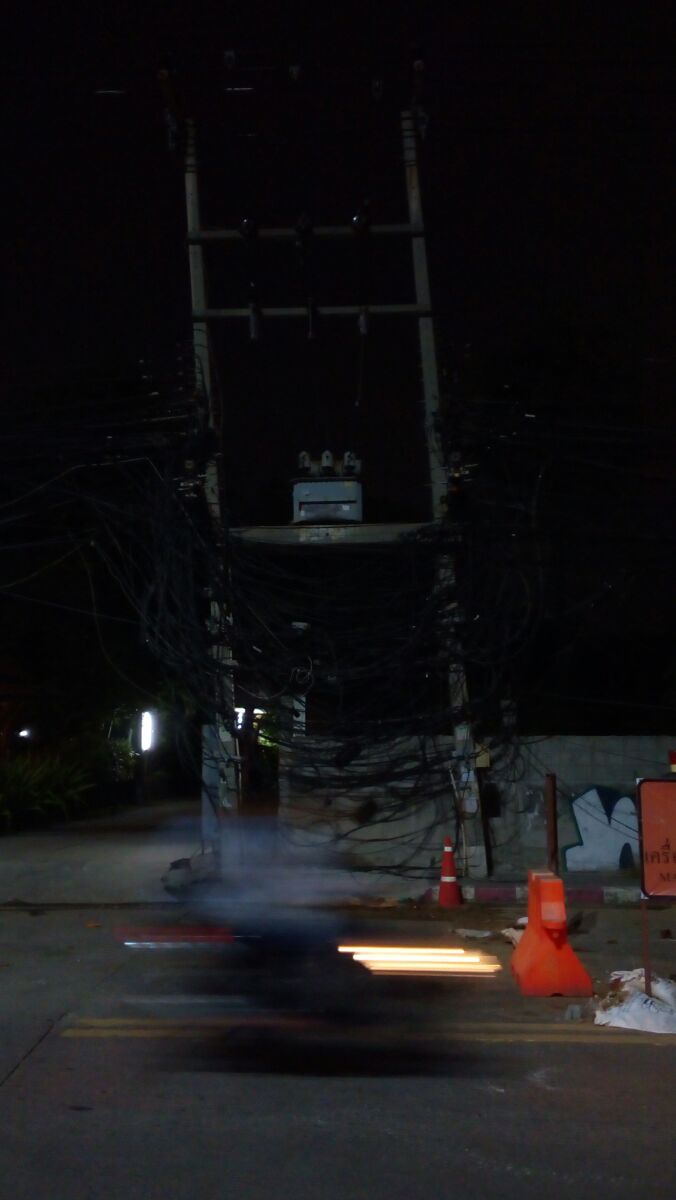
column 607, row 826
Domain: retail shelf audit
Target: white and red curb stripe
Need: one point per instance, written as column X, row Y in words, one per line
column 514, row 893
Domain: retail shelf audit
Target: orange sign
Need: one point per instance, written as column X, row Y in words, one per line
column 657, row 808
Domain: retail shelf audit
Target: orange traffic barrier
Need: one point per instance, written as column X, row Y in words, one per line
column 450, row 895
column 544, row 963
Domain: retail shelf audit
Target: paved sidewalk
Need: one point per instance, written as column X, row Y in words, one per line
column 121, row 859
column 114, row 859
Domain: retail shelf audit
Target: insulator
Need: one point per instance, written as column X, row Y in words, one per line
column 248, row 228
column 361, row 221
column 303, row 230
column 254, row 322
column 312, row 320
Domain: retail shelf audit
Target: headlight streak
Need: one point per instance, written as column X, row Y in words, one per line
column 421, row 960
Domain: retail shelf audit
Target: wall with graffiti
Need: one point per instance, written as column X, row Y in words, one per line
column 596, row 790
column 607, row 825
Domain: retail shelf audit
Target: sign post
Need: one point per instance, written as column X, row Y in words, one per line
column 657, row 818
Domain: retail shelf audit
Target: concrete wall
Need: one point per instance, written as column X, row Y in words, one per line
column 397, row 824
column 389, row 825
column 596, row 786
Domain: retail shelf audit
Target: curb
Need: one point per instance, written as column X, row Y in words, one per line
column 517, row 893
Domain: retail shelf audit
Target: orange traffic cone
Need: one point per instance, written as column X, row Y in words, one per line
column 450, row 895
column 544, row 963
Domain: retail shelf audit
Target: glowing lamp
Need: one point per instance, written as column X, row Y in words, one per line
column 147, row 731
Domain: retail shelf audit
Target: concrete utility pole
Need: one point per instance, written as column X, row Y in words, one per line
column 428, row 349
column 218, row 742
column 465, row 781
column 198, row 293
column 220, row 779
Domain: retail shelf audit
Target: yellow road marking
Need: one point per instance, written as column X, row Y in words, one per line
column 485, row 1032
column 450, row 1028
column 596, row 1038
column 135, row 1033
column 161, row 1022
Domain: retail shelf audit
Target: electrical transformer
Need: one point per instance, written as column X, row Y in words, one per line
column 328, row 491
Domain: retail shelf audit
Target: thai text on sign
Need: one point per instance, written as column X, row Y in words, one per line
column 657, row 814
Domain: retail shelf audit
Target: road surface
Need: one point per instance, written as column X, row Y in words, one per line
column 115, row 1084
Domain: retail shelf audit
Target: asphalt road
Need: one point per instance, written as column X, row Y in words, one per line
column 118, row 1081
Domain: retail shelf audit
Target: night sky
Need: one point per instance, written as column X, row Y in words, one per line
column 547, row 189
column 547, row 160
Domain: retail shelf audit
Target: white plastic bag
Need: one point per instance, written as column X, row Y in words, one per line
column 512, row 935
column 634, row 981
column 639, row 1011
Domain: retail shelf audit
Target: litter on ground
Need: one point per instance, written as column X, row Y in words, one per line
column 512, row 935
column 474, row 933
column 627, row 1007
column 634, row 981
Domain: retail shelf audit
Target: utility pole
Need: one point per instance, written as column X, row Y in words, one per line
column 220, row 779
column 466, row 786
column 464, row 780
column 428, row 349
column 200, row 329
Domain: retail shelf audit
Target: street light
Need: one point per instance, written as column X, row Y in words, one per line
column 147, row 731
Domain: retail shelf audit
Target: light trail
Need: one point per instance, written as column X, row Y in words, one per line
column 421, row 960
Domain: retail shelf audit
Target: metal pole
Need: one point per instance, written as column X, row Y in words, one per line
column 289, row 233
column 486, row 829
column 645, row 939
column 302, row 310
column 551, row 823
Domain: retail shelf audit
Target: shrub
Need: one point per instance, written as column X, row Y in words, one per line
column 40, row 787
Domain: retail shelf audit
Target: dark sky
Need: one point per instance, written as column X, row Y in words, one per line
column 548, row 191
column 547, row 159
